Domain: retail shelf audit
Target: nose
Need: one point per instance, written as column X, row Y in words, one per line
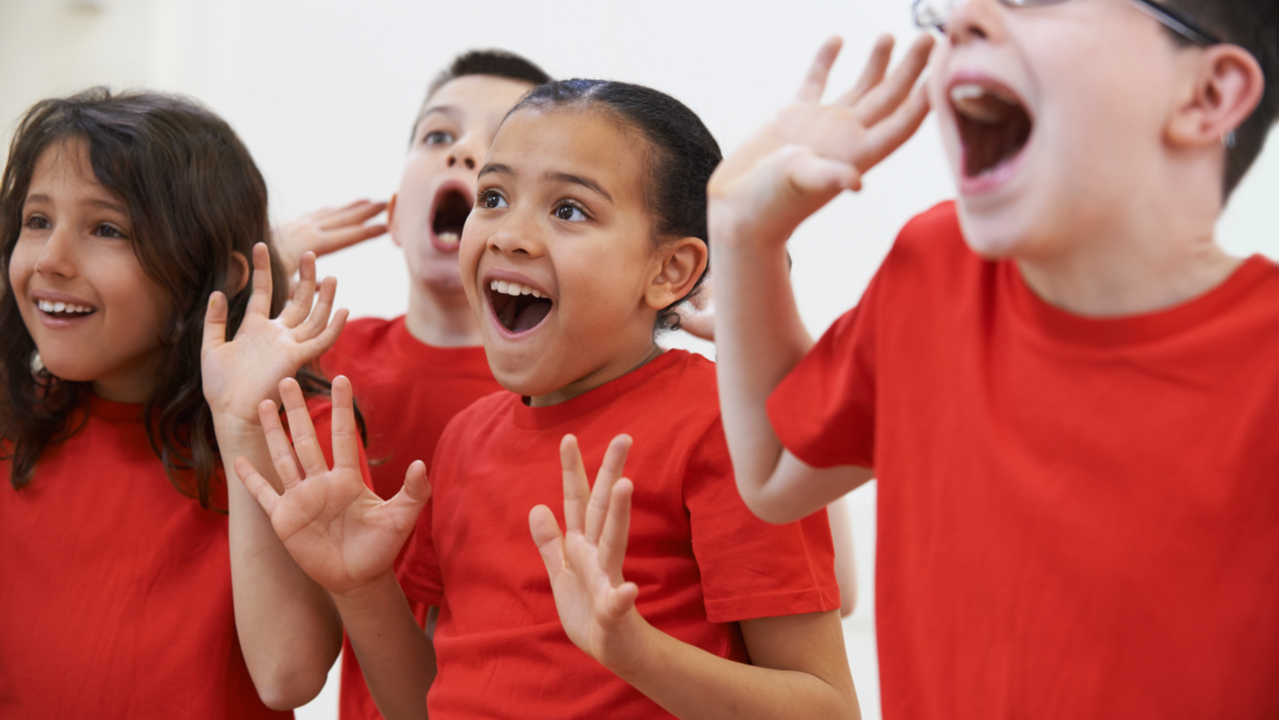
column 467, row 152
column 517, row 236
column 974, row 20
column 57, row 256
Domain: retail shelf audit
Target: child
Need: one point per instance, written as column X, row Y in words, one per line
column 119, row 215
column 1066, row 389
column 588, row 230
column 414, row 373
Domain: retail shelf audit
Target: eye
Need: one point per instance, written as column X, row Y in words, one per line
column 36, row 222
column 569, row 212
column 107, row 230
column 437, row 137
column 491, row 200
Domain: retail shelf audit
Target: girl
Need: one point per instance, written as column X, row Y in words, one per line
column 589, row 227
column 119, row 215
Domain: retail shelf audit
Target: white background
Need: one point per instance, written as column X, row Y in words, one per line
column 324, row 92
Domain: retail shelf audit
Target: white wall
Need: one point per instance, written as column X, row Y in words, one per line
column 323, row 92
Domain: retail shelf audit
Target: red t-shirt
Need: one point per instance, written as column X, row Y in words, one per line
column 407, row 391
column 116, row 599
column 1077, row 517
column 701, row 559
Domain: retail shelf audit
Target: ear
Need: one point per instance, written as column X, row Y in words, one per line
column 239, row 272
column 391, row 219
column 680, row 265
column 1228, row 84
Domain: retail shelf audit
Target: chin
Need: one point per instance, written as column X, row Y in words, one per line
column 991, row 236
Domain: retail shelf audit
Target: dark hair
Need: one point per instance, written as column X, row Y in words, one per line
column 682, row 155
column 1251, row 24
column 494, row 63
column 194, row 197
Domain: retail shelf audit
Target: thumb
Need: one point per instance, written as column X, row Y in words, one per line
column 413, row 495
column 215, row 324
column 546, row 535
column 813, row 175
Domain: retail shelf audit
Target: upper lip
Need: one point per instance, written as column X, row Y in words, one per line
column 55, row 296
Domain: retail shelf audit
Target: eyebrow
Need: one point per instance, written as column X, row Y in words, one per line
column 588, row 183
column 105, row 204
column 439, row 109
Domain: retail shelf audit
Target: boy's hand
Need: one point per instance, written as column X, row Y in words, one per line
column 811, row 152
column 240, row 374
column 596, row 606
column 698, row 314
column 338, row 531
column 326, row 230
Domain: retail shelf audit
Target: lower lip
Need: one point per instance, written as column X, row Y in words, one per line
column 992, row 179
column 62, row 322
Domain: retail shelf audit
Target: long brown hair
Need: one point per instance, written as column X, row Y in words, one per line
column 194, row 197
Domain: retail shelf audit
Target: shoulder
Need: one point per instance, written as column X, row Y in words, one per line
column 934, row 236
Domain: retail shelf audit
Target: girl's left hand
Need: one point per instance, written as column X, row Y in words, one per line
column 596, row 606
column 240, row 374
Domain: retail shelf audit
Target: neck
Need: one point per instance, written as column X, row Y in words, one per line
column 440, row 319
column 1149, row 252
column 598, row 378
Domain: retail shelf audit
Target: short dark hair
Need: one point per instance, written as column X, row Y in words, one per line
column 1251, row 24
column 682, row 156
column 494, row 63
column 194, row 197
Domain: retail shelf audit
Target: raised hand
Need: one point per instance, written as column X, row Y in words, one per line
column 596, row 606
column 810, row 152
column 327, row 230
column 338, row 531
column 698, row 314
column 241, row 373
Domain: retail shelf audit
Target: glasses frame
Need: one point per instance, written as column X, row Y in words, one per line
column 1185, row 26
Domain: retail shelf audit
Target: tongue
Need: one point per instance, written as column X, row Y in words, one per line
column 530, row 315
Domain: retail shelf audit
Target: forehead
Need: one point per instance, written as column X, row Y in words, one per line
column 476, row 97
column 535, row 142
column 66, row 162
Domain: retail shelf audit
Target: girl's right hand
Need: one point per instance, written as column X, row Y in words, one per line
column 811, row 152
column 338, row 531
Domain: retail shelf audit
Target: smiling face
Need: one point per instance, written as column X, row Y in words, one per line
column 1051, row 117
column 438, row 185
column 557, row 258
column 94, row 314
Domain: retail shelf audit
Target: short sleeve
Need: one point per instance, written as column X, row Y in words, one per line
column 752, row 569
column 824, row 410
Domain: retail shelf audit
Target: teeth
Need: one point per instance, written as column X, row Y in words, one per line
column 448, row 238
column 982, row 103
column 513, row 289
column 968, row 91
column 58, row 307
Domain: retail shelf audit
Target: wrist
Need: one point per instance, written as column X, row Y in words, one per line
column 636, row 649
column 368, row 596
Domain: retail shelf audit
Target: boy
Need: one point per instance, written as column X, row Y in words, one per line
column 1067, row 391
column 414, row 373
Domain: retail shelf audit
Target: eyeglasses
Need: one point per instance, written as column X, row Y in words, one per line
column 935, row 13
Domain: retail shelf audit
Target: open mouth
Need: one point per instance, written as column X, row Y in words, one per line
column 449, row 215
column 518, row 308
column 63, row 311
column 994, row 126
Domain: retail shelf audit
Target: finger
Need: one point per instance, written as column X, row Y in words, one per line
column 315, row 347
column 282, row 457
column 257, row 485
column 873, row 73
column 346, row 439
column 408, row 502
column 299, row 305
column 318, row 317
column 355, row 213
column 260, row 299
column 889, row 134
column 546, row 535
column 812, row 175
column 613, row 540
column 815, row 82
column 888, row 95
column 335, row 240
column 576, row 490
column 305, row 443
column 615, row 458
column 215, row 324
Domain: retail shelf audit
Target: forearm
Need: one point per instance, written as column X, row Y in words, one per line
column 693, row 684
column 397, row 658
column 289, row 630
column 759, row 339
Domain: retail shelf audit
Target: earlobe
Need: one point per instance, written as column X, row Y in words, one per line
column 1227, row 88
column 239, row 273
column 682, row 263
column 391, row 219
